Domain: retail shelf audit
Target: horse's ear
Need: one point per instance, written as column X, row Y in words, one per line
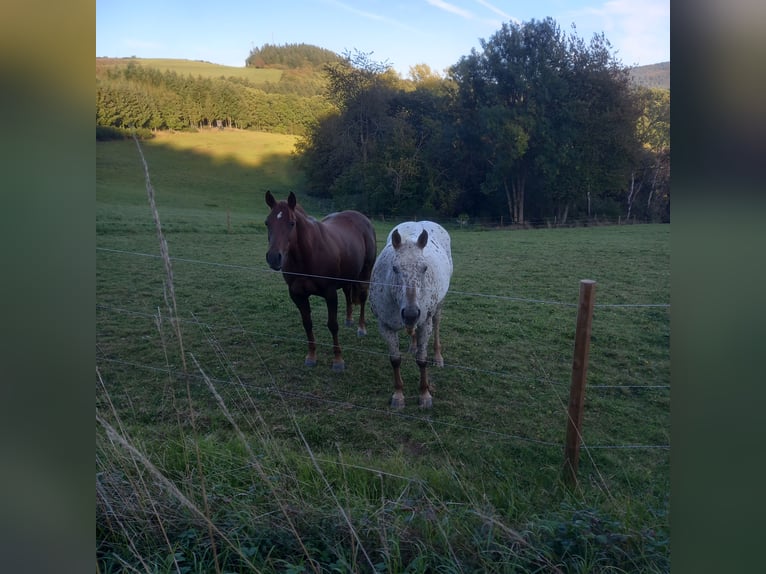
column 270, row 201
column 396, row 239
column 423, row 239
column 291, row 201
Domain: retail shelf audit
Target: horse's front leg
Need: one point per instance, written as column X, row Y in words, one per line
column 302, row 302
column 331, row 296
column 423, row 334
column 438, row 359
column 392, row 338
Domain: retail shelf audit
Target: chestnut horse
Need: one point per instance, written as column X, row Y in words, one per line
column 318, row 258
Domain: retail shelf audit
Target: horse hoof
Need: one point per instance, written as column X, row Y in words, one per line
column 339, row 367
column 397, row 402
column 310, row 362
column 361, row 332
column 425, row 402
column 349, row 323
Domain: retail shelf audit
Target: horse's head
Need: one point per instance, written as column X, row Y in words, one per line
column 410, row 272
column 281, row 224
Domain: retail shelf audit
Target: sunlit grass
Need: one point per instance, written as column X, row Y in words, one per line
column 247, row 148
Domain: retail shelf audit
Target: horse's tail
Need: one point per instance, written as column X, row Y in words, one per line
column 361, row 288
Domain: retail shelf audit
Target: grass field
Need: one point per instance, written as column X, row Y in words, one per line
column 196, row 68
column 232, row 453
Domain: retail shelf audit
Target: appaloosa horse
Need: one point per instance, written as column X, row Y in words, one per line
column 318, row 258
column 409, row 281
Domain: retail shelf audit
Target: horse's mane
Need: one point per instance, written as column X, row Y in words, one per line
column 299, row 209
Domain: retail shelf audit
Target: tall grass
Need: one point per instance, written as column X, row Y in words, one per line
column 245, row 460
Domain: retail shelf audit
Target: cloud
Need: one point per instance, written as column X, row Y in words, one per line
column 492, row 23
column 495, row 9
column 447, row 7
column 373, row 16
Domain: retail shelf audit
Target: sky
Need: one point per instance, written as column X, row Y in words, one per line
column 402, row 33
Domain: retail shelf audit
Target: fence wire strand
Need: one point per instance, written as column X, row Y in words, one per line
column 352, row 349
column 348, row 404
column 451, row 291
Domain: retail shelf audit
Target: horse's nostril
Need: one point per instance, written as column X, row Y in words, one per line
column 274, row 260
column 410, row 314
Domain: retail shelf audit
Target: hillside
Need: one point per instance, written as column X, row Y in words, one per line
column 652, row 76
column 196, row 68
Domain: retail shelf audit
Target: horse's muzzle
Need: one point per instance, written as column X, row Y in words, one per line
column 410, row 315
column 274, row 259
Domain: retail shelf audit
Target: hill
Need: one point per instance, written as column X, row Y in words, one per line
column 291, row 56
column 196, row 68
column 652, row 76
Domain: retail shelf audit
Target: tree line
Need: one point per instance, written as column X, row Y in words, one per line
column 146, row 98
column 290, row 56
column 536, row 127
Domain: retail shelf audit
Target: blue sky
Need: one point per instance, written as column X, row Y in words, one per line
column 402, row 32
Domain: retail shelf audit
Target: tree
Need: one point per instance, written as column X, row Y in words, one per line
column 424, row 75
column 653, row 132
column 602, row 116
column 505, row 144
column 356, row 86
column 518, row 72
column 337, row 151
column 559, row 111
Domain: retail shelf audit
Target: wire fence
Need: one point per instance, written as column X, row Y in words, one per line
column 301, row 341
column 346, row 404
column 297, row 341
column 451, row 291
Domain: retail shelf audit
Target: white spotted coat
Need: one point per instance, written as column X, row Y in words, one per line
column 407, row 290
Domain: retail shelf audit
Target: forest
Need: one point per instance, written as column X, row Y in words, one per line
column 538, row 127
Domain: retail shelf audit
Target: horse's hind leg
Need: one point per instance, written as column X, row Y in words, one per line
column 424, row 400
column 361, row 292
column 413, row 348
column 347, row 293
column 438, row 359
column 331, row 296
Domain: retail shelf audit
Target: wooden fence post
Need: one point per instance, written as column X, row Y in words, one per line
column 579, row 373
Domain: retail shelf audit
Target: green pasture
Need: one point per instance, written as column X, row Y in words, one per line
column 197, row 68
column 232, row 452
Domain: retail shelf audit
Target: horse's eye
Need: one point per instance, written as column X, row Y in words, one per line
column 396, row 269
column 425, row 268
